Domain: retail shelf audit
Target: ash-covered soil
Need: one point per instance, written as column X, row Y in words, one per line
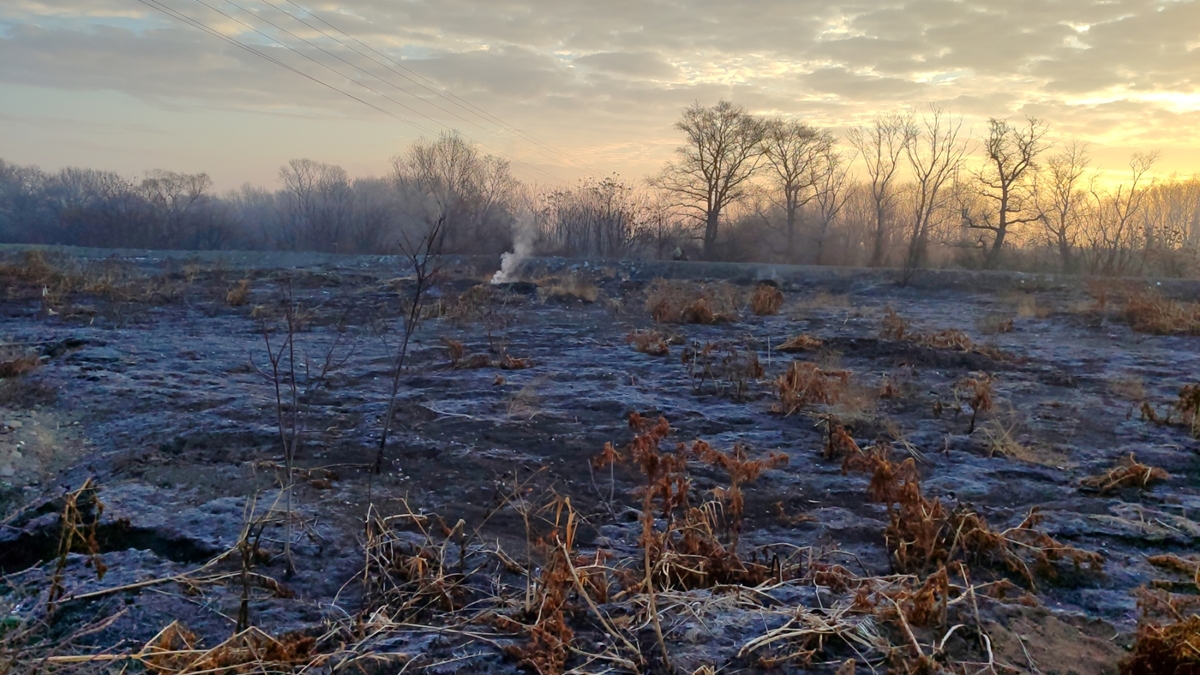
column 165, row 400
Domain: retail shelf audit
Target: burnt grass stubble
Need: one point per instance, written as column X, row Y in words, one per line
column 163, row 404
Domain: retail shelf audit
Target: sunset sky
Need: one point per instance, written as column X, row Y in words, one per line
column 117, row 84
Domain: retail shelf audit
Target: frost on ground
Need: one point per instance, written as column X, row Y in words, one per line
column 982, row 471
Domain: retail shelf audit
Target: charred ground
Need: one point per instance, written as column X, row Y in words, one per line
column 492, row 541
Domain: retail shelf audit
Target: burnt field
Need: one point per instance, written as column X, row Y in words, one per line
column 602, row 467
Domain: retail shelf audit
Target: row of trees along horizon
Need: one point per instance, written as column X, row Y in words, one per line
column 741, row 188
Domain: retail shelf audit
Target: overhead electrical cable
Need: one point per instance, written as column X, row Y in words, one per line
column 176, row 14
column 525, row 141
column 154, row 4
column 369, row 88
column 432, row 87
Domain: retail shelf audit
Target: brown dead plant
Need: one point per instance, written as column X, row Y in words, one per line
column 1148, row 311
column 683, row 302
column 893, row 327
column 649, row 342
column 78, row 523
column 803, row 384
column 15, row 362
column 1168, row 630
column 731, row 367
column 766, row 300
column 1129, row 473
column 976, row 392
column 239, row 295
column 801, row 343
column 741, row 469
column 923, row 534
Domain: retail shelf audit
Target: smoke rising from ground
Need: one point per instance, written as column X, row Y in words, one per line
column 524, row 235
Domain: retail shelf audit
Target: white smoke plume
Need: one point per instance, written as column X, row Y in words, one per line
column 524, row 234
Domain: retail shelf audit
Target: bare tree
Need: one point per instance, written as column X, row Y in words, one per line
column 1011, row 161
column 882, row 146
column 791, row 148
column 714, row 168
column 830, row 172
column 421, row 255
column 176, row 198
column 1112, row 236
column 934, row 157
column 469, row 192
column 318, row 202
column 1060, row 199
column 596, row 218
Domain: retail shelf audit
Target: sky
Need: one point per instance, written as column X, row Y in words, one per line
column 567, row 88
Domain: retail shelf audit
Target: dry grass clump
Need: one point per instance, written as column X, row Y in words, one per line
column 1129, row 473
column 946, row 339
column 923, row 534
column 730, row 367
column 15, row 362
column 1148, row 311
column 684, row 302
column 1168, row 632
column 459, row 359
column 766, row 300
column 1187, row 405
column 804, row 384
column 239, row 295
column 893, row 327
column 56, row 280
column 995, row 323
column 649, row 342
column 896, row 328
column 572, row 287
column 803, row 342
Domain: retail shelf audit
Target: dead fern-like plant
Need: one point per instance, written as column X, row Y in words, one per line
column 923, row 534
column 804, row 384
column 976, row 391
column 741, row 469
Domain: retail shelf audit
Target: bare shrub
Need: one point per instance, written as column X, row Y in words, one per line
column 730, row 367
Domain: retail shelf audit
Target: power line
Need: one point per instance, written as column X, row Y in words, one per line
column 176, row 14
column 340, row 74
column 154, row 4
column 534, row 145
column 437, row 89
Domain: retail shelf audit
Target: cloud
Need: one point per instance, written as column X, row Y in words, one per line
column 601, row 79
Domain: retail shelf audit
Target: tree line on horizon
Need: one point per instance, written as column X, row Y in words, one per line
column 741, row 187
